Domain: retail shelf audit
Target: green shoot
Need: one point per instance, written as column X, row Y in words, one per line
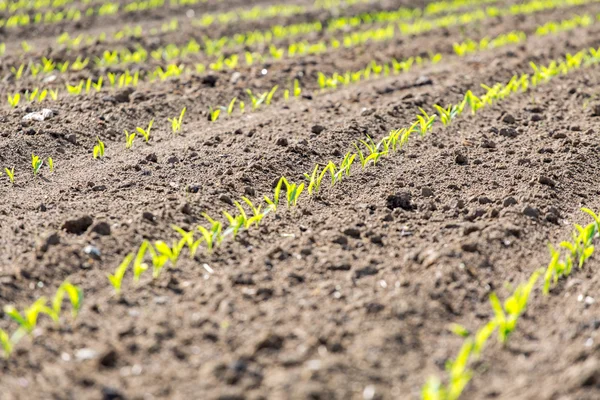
column 271, row 94
column 231, row 106
column 36, row 163
column 13, row 100
column 6, row 343
column 176, row 123
column 28, row 320
column 99, row 148
column 117, row 279
column 51, row 164
column 145, row 132
column 11, row 174
column 297, row 89
column 129, row 138
column 75, row 295
column 214, row 114
column 139, row 266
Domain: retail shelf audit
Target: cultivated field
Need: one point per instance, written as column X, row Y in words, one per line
column 329, row 199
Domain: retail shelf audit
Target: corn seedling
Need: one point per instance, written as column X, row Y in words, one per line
column 448, row 114
column 11, row 174
column 18, row 72
column 6, row 343
column 270, row 95
column 51, row 164
column 158, row 262
column 28, row 320
column 139, row 267
column 75, row 295
column 425, row 122
column 145, row 132
column 231, row 106
column 116, row 279
column 176, row 123
column 129, row 138
column 13, row 100
column 293, row 192
column 98, row 151
column 256, row 101
column 213, row 115
column 297, row 89
column 36, row 163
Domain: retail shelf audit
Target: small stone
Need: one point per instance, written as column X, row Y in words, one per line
column 508, row 119
column 148, row 216
column 531, row 212
column 226, row 199
column 48, row 241
column 101, row 228
column 461, row 159
column 92, row 251
column 509, row 201
column 400, row 200
column 85, row 354
column 249, row 191
column 352, row 232
column 281, row 142
column 317, row 129
column 78, row 226
column 536, row 118
column 426, row 192
column 484, row 200
column 109, row 359
column 152, row 157
column 341, row 240
column 43, row 115
column 366, row 271
column 545, row 180
column 185, row 208
column 172, row 160
column 508, row 132
column 469, row 247
column 365, row 112
column 72, row 138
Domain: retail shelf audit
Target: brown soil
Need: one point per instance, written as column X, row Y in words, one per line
column 345, row 295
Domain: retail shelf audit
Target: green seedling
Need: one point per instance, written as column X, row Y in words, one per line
column 458, row 330
column 76, row 89
column 139, row 267
column 13, row 100
column 129, row 138
column 242, row 107
column 425, row 122
column 11, row 174
column 28, row 320
column 176, row 123
column 51, row 164
column 257, row 216
column 6, row 343
column 231, row 106
column 158, row 262
column 271, row 94
column 312, row 180
column 293, row 193
column 54, row 94
column 75, row 295
column 98, row 148
column 36, row 163
column 214, row 114
column 235, row 224
column 297, row 89
column 116, row 279
column 18, row 72
column 145, row 132
column 447, row 115
column 256, row 101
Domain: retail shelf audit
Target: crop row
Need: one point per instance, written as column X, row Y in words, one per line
column 373, row 69
column 159, row 254
column 172, row 52
column 507, row 314
column 367, row 153
column 275, row 31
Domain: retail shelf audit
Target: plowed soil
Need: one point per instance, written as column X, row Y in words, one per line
column 347, row 296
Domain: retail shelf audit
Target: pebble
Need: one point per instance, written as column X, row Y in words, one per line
column 43, row 115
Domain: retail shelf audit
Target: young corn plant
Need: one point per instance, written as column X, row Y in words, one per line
column 28, row 319
column 98, row 151
column 75, row 295
column 447, row 115
column 129, row 138
column 11, row 174
column 213, row 114
column 235, row 224
column 139, row 267
column 13, row 100
column 270, row 95
column 231, row 106
column 293, row 192
column 256, row 101
column 51, row 164
column 6, row 343
column 177, row 123
column 506, row 317
column 297, row 89
column 116, row 279
column 425, row 122
column 145, row 132
column 36, row 163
